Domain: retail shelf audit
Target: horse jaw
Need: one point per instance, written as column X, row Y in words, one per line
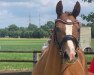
column 71, row 50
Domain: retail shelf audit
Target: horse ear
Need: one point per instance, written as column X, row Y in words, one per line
column 59, row 8
column 76, row 9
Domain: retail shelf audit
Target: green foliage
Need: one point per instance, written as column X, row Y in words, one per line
column 32, row 27
column 38, row 33
column 32, row 31
column 13, row 27
column 90, row 20
column 47, row 28
column 3, row 32
column 89, row 1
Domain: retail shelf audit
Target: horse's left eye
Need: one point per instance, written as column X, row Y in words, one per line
column 58, row 29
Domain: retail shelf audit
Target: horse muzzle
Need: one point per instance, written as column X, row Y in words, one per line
column 70, row 59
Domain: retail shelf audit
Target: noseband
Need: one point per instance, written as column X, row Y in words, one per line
column 69, row 37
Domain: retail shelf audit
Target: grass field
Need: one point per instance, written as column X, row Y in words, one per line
column 22, row 44
column 18, row 44
column 89, row 57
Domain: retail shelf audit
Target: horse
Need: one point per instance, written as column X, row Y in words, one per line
column 63, row 56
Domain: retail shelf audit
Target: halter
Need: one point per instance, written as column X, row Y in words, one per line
column 67, row 37
column 65, row 22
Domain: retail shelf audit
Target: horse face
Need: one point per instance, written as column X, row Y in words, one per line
column 67, row 30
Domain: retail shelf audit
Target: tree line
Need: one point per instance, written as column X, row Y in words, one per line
column 32, row 31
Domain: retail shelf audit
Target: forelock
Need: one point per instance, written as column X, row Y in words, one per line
column 68, row 13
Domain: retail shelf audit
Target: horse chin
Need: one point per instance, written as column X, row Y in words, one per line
column 67, row 58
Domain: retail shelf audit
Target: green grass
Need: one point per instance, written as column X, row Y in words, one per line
column 90, row 57
column 16, row 56
column 18, row 44
column 15, row 66
column 23, row 44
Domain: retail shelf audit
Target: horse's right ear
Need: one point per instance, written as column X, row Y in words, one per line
column 59, row 8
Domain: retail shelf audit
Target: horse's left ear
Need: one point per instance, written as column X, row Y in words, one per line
column 76, row 9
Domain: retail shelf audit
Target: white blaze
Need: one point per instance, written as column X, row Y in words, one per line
column 71, row 45
column 71, row 51
column 69, row 28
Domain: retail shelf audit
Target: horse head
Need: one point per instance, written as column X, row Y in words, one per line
column 66, row 31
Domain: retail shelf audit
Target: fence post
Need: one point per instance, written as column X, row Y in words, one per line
column 34, row 57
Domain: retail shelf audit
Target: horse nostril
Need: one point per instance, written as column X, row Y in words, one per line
column 66, row 56
column 76, row 55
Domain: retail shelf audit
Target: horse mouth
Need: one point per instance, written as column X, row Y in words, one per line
column 67, row 58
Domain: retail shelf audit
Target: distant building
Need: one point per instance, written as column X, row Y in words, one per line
column 85, row 37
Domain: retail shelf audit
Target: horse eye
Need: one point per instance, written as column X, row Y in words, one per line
column 58, row 29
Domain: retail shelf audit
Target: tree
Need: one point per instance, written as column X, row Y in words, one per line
column 3, row 33
column 39, row 33
column 90, row 20
column 32, row 27
column 13, row 27
column 50, row 24
column 47, row 27
column 88, row 1
column 32, row 31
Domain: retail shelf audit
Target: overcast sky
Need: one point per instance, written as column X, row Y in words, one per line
column 18, row 11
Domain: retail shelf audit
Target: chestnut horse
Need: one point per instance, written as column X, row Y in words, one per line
column 63, row 56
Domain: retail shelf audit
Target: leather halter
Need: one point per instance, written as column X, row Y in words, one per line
column 67, row 37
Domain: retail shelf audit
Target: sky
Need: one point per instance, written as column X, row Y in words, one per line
column 38, row 12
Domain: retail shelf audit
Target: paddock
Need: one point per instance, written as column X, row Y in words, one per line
column 35, row 58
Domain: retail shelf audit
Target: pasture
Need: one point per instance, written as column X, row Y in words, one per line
column 15, row 44
column 22, row 44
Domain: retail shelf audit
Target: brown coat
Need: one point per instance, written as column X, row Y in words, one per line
column 50, row 63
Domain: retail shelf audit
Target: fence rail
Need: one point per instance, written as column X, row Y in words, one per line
column 35, row 52
column 89, row 53
column 34, row 61
column 18, row 61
